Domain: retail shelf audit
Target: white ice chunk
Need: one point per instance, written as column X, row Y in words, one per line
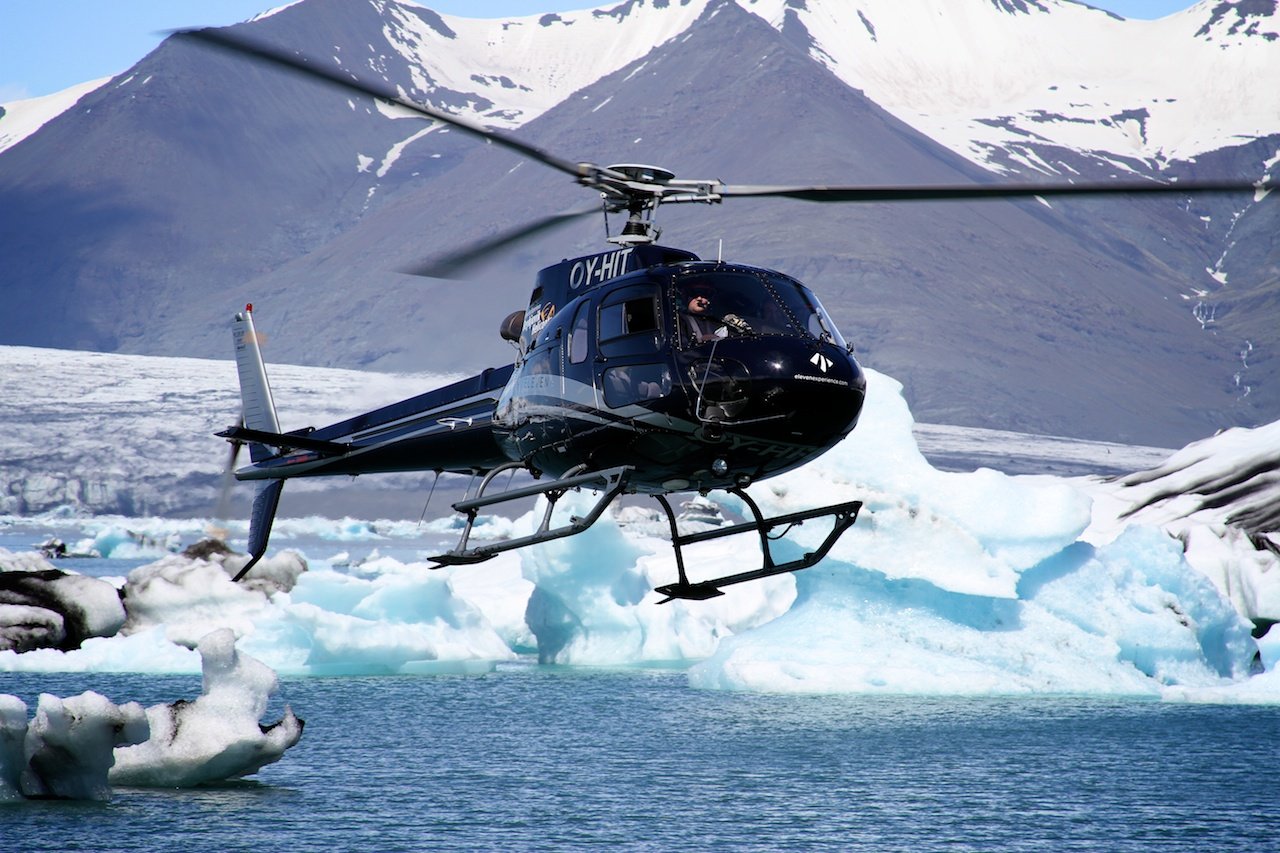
column 190, row 598
column 216, row 737
column 43, row 607
column 13, row 735
column 70, row 743
column 24, row 628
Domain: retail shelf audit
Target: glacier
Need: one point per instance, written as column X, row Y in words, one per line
column 950, row 583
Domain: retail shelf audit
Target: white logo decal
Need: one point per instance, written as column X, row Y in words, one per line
column 821, row 361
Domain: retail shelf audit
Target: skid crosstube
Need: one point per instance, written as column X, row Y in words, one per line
column 610, row 482
column 843, row 515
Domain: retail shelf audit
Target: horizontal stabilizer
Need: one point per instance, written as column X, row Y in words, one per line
column 293, row 441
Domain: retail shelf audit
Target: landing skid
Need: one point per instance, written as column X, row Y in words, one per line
column 843, row 516
column 610, row 482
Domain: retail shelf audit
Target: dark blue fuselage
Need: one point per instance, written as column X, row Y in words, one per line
column 617, row 375
column 697, row 375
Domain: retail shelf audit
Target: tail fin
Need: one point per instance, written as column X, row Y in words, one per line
column 259, row 413
column 258, row 408
column 265, row 501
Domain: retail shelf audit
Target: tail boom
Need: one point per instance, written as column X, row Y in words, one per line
column 447, row 429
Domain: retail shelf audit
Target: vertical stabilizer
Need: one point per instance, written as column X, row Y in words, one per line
column 258, row 411
column 265, row 501
column 257, row 406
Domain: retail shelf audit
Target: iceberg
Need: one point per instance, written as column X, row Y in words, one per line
column 216, row 737
column 42, row 607
column 1162, row 583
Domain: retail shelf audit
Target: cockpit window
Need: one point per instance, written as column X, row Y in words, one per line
column 805, row 305
column 720, row 304
column 828, row 325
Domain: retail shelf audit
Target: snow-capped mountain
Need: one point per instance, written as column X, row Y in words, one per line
column 997, row 81
column 140, row 219
column 993, row 81
column 982, row 78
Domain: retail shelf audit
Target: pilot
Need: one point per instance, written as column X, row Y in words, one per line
column 702, row 323
column 698, row 319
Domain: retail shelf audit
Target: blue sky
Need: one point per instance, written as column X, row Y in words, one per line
column 48, row 45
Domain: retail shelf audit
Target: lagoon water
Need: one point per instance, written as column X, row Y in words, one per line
column 531, row 757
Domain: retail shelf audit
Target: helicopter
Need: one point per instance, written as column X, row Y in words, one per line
column 641, row 369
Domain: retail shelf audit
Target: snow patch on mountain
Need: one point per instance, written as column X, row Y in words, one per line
column 20, row 119
column 277, row 9
column 529, row 64
column 984, row 77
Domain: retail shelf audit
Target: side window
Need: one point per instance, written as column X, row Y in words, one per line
column 612, row 322
column 578, row 341
column 635, row 383
column 541, row 362
column 641, row 315
column 629, row 322
column 629, row 317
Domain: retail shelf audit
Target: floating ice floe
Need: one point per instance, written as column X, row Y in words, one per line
column 219, row 735
column 79, row 747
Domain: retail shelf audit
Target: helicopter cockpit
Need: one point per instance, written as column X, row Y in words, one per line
column 716, row 303
column 670, row 359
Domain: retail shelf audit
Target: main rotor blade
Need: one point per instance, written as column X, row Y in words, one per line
column 453, row 263
column 241, row 43
column 960, row 192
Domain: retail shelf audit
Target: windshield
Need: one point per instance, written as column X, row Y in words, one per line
column 713, row 304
